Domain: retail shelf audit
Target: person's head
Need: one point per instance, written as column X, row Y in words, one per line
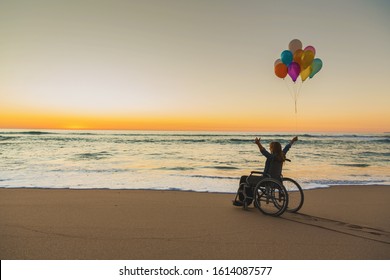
column 276, row 149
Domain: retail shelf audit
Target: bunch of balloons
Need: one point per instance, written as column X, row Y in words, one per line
column 297, row 61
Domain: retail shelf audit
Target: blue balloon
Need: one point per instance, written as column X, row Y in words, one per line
column 286, row 57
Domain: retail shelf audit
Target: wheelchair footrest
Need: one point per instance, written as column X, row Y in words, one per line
column 237, row 203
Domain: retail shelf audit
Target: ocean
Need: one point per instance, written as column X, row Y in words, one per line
column 179, row 160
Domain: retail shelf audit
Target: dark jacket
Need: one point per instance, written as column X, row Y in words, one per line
column 273, row 166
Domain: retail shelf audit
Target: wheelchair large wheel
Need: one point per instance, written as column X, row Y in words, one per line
column 270, row 197
column 295, row 195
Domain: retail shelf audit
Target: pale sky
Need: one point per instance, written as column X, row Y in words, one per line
column 204, row 65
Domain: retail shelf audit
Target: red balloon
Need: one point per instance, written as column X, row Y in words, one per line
column 281, row 70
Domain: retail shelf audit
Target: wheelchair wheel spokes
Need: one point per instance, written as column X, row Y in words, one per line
column 270, row 197
column 261, row 194
column 295, row 195
column 279, row 197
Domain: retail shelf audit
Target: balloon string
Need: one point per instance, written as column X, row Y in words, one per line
column 294, row 91
column 290, row 91
column 299, row 89
column 295, row 101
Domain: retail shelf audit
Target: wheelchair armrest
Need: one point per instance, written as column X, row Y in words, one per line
column 259, row 172
column 256, row 172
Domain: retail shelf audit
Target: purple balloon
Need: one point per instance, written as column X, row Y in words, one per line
column 293, row 70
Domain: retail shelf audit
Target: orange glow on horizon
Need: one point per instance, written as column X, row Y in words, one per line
column 15, row 120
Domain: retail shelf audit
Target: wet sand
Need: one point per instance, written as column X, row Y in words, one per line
column 342, row 222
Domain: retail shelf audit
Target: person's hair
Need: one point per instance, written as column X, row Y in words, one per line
column 277, row 151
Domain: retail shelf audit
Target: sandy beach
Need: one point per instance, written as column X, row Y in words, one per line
column 342, row 222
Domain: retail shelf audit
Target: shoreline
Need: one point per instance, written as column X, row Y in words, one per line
column 183, row 190
column 339, row 222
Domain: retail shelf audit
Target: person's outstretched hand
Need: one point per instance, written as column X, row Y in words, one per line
column 257, row 141
column 294, row 139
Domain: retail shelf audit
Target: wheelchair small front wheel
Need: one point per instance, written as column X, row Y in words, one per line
column 270, row 197
column 245, row 195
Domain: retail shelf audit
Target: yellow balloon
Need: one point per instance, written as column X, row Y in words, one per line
column 305, row 73
column 307, row 58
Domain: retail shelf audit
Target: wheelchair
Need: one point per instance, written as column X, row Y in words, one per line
column 272, row 197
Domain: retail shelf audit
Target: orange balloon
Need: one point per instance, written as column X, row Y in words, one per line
column 281, row 70
column 298, row 56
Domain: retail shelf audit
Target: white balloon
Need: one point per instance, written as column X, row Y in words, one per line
column 295, row 45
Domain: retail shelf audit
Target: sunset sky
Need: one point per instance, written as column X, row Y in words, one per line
column 192, row 65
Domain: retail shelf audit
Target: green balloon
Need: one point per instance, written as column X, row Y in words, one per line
column 316, row 66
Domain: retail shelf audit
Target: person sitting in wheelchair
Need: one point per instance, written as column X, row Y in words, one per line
column 273, row 167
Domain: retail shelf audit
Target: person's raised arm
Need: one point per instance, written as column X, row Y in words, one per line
column 257, row 142
column 294, row 140
column 288, row 146
column 262, row 149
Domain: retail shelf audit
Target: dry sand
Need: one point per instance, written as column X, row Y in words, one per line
column 343, row 222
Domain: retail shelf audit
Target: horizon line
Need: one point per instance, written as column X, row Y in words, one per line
column 198, row 130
